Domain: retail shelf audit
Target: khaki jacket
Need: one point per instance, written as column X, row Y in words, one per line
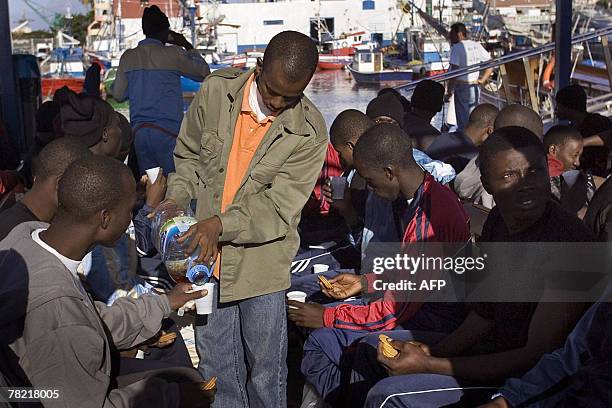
column 260, row 236
column 62, row 340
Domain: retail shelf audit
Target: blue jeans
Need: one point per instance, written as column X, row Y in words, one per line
column 154, row 149
column 244, row 344
column 466, row 99
column 410, row 391
column 341, row 364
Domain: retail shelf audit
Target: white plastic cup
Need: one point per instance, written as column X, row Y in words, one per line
column 296, row 295
column 320, row 268
column 338, row 185
column 153, row 173
column 204, row 305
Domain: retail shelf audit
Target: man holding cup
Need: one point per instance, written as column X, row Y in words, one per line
column 250, row 150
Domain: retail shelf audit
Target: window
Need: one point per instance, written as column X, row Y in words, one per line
column 368, row 5
column 273, row 22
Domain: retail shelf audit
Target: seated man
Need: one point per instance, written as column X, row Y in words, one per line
column 496, row 340
column 93, row 122
column 458, row 148
column 433, row 214
column 468, row 184
column 573, row 188
column 40, row 202
column 346, row 129
column 572, row 106
column 598, row 217
column 386, row 109
column 56, row 336
column 368, row 217
column 427, row 100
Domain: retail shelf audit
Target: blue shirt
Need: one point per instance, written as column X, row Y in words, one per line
column 150, row 77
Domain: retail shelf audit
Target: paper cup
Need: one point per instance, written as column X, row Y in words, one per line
column 320, row 268
column 338, row 185
column 153, row 173
column 204, row 305
column 296, row 295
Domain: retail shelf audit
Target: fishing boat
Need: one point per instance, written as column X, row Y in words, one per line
column 245, row 60
column 63, row 67
column 367, row 69
column 333, row 62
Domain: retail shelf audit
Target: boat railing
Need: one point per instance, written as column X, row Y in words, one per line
column 505, row 59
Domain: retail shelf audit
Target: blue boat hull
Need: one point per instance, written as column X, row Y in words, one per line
column 373, row 78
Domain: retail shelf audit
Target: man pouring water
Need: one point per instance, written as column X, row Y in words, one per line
column 250, row 150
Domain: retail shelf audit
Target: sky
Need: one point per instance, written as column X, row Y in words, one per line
column 17, row 8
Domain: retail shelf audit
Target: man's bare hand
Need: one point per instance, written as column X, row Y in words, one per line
column 412, row 358
column 155, row 192
column 306, row 314
column 206, row 235
column 179, row 39
column 344, row 285
column 182, row 294
column 344, row 206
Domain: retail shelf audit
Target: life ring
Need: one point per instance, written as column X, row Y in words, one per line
column 548, row 83
column 344, row 44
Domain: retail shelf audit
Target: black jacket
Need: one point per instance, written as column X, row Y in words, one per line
column 599, row 215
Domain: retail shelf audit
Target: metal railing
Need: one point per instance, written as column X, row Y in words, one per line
column 515, row 56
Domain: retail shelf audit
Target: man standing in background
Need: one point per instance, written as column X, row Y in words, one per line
column 465, row 88
column 150, row 77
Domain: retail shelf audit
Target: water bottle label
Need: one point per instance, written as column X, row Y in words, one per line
column 198, row 273
column 183, row 223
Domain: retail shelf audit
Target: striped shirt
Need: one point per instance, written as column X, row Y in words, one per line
column 434, row 215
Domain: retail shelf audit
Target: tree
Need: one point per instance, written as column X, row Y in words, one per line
column 79, row 25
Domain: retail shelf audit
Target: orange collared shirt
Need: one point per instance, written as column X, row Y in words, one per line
column 247, row 136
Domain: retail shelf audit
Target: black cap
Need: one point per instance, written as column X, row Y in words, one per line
column 572, row 97
column 386, row 105
column 154, row 21
column 85, row 117
column 428, row 96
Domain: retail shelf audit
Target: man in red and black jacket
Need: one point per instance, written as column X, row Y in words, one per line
column 425, row 211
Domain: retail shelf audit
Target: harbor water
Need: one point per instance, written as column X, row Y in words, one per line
column 331, row 92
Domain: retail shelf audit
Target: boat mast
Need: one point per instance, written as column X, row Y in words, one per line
column 319, row 23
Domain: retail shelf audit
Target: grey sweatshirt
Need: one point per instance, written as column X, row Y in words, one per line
column 62, row 338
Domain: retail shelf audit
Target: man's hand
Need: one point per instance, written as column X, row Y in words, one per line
column 345, row 285
column 344, row 206
column 412, row 358
column 499, row 402
column 155, row 192
column 194, row 396
column 164, row 340
column 205, row 234
column 179, row 39
column 306, row 314
column 182, row 294
column 326, row 190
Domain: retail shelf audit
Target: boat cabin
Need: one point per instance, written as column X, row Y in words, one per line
column 368, row 61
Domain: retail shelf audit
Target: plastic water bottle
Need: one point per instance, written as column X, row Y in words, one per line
column 170, row 223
